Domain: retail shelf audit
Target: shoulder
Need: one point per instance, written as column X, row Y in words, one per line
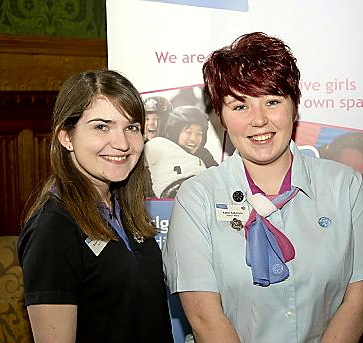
column 161, row 150
column 206, row 156
column 319, row 168
column 330, row 171
column 50, row 226
column 212, row 179
column 53, row 209
column 159, row 143
column 318, row 176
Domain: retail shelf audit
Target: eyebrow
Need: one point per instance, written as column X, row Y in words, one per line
column 100, row 119
column 233, row 99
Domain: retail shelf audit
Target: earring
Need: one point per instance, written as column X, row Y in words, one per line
column 69, row 147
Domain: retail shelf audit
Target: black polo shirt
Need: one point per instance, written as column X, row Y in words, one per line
column 120, row 294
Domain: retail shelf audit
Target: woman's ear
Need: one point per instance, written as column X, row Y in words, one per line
column 65, row 139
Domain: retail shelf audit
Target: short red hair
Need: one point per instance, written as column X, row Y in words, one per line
column 255, row 64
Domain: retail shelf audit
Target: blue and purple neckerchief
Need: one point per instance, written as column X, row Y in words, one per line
column 115, row 220
column 267, row 248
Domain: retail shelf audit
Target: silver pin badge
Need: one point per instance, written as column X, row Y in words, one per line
column 324, row 221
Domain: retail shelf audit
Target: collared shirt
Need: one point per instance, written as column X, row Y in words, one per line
column 324, row 222
column 115, row 220
column 120, row 294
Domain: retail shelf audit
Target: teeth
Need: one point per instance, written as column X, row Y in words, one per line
column 115, row 158
column 261, row 137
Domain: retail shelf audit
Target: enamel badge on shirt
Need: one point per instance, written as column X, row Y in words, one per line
column 228, row 212
column 96, row 246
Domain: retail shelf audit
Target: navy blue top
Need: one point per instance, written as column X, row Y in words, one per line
column 120, row 294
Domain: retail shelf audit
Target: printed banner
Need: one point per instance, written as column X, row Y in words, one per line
column 160, row 45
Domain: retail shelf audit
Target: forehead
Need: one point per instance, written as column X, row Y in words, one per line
column 195, row 127
column 102, row 106
column 238, row 95
column 246, row 98
column 152, row 114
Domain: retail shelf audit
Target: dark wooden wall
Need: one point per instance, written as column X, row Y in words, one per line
column 32, row 70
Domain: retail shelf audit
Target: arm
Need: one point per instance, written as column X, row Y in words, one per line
column 205, row 315
column 51, row 284
column 346, row 325
column 189, row 265
column 53, row 323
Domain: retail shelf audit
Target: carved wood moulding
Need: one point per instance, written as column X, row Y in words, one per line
column 47, row 45
column 44, row 63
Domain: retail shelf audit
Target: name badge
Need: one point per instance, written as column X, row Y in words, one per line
column 96, row 246
column 228, row 212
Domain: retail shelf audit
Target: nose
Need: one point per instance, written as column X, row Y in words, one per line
column 193, row 137
column 258, row 117
column 119, row 141
column 153, row 122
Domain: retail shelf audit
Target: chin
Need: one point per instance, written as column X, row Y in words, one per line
column 191, row 151
column 119, row 178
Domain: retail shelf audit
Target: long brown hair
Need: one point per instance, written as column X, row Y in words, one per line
column 79, row 195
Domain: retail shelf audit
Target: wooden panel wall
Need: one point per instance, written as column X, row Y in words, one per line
column 44, row 63
column 32, row 70
column 25, row 123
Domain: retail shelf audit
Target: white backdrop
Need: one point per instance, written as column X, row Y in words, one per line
column 161, row 46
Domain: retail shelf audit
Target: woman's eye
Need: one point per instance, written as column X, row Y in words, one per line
column 134, row 127
column 240, row 107
column 101, row 127
column 273, row 102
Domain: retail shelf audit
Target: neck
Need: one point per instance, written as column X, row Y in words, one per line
column 269, row 177
column 103, row 190
column 106, row 198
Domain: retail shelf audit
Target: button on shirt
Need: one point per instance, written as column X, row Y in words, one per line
column 203, row 254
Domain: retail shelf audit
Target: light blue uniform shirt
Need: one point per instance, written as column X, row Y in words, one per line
column 203, row 254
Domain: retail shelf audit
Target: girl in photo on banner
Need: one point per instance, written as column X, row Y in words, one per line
column 268, row 246
column 157, row 110
column 92, row 269
column 180, row 153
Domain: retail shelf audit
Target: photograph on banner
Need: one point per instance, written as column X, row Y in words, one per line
column 165, row 60
column 340, row 144
column 182, row 138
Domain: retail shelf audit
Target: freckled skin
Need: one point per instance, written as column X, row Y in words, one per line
column 260, row 127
